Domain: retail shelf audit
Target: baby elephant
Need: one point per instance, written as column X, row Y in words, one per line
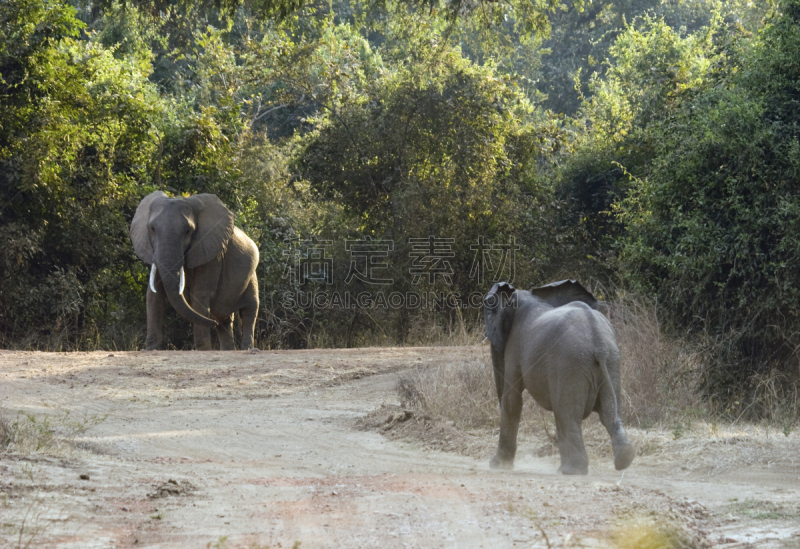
column 554, row 342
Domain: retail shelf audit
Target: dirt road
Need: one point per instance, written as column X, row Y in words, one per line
column 209, row 449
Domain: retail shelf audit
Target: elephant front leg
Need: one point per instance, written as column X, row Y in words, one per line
column 510, row 412
column 202, row 334
column 155, row 317
column 574, row 460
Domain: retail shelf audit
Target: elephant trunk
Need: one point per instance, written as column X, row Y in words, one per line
column 172, row 278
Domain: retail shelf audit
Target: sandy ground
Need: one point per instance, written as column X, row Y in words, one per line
column 228, row 450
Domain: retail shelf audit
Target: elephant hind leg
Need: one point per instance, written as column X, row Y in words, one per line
column 574, row 460
column 623, row 455
column 624, row 451
column 607, row 407
column 499, row 368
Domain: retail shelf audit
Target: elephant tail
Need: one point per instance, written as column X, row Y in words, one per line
column 608, row 392
column 607, row 356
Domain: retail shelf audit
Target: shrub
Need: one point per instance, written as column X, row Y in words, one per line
column 659, row 372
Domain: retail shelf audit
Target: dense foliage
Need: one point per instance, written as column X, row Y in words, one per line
column 712, row 219
column 648, row 143
column 687, row 181
column 75, row 147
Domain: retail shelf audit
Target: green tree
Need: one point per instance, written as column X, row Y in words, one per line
column 76, row 139
column 582, row 41
column 712, row 221
column 433, row 144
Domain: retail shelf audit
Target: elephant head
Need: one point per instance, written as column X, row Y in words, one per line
column 502, row 301
column 170, row 233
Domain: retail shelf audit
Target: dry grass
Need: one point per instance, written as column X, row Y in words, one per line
column 463, row 393
column 428, row 330
column 776, row 399
column 26, row 434
column 658, row 372
column 377, row 328
column 662, row 374
column 709, row 448
column 647, row 532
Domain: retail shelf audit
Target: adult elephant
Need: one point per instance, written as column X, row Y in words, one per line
column 194, row 249
column 554, row 342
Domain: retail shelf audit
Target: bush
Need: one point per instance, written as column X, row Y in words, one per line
column 659, row 372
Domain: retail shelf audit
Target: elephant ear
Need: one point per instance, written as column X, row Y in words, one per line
column 213, row 231
column 499, row 306
column 560, row 293
column 140, row 234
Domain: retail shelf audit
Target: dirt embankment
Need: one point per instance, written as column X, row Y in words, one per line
column 268, row 449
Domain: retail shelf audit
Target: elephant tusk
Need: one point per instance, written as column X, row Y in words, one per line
column 153, row 278
column 183, row 282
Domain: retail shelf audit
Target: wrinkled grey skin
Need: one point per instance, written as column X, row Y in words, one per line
column 219, row 260
column 554, row 342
